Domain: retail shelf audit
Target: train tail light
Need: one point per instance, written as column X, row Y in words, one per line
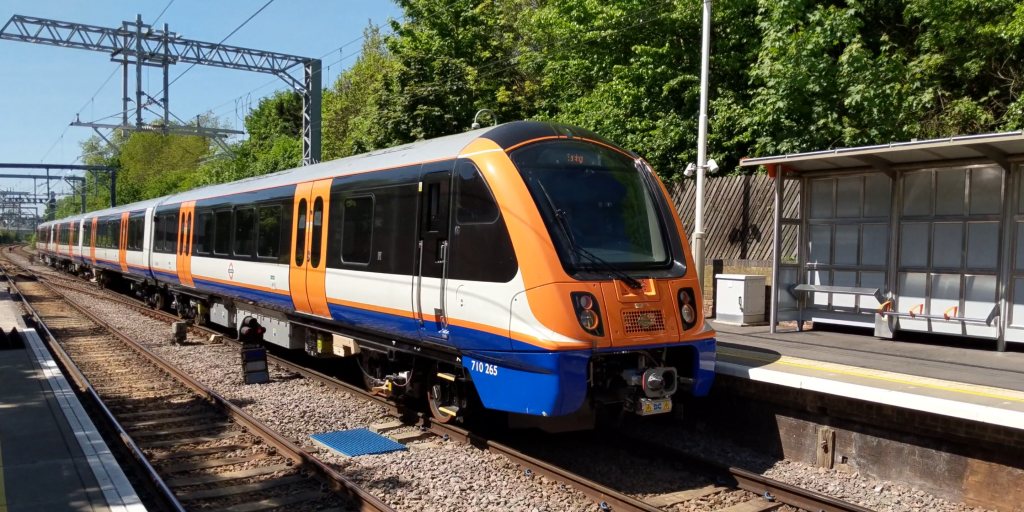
column 686, row 308
column 588, row 312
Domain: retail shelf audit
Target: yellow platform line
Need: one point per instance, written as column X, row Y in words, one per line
column 832, row 368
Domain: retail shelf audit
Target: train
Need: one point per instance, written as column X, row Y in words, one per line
column 533, row 268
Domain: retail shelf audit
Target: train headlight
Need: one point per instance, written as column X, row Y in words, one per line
column 588, row 320
column 686, row 308
column 688, row 314
column 588, row 312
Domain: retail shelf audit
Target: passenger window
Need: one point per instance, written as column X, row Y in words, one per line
column 244, row 224
column 115, row 235
column 475, row 203
column 182, row 234
column 158, row 234
column 318, row 230
column 222, row 234
column 300, row 234
column 269, row 239
column 188, row 239
column 433, row 206
column 204, row 228
column 357, row 230
column 171, row 237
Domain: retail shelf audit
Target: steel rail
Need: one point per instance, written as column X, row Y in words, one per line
column 334, row 480
column 83, row 383
column 724, row 474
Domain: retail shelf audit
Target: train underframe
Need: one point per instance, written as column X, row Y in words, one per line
column 632, row 381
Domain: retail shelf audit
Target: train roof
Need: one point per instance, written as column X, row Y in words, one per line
column 506, row 136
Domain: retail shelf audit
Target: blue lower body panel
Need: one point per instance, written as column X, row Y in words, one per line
column 555, row 383
column 539, row 383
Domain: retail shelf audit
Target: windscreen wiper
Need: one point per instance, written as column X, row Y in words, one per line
column 579, row 251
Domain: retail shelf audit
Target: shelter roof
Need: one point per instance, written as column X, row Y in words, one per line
column 1000, row 148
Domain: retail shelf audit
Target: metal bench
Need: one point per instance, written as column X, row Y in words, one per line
column 885, row 310
column 842, row 290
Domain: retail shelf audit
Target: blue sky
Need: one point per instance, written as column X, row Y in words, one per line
column 42, row 87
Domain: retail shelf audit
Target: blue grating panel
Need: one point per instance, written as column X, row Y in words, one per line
column 357, row 442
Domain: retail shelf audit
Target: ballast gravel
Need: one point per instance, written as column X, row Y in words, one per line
column 446, row 476
column 449, row 476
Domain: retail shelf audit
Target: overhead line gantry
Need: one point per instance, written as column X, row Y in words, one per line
column 140, row 44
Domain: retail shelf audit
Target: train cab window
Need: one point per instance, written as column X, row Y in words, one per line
column 357, row 230
column 475, row 204
column 244, row 224
column 171, row 233
column 203, row 230
column 222, row 233
column 300, row 234
column 268, row 240
column 316, row 239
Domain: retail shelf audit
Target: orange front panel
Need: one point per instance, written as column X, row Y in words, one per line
column 297, row 269
column 92, row 241
column 316, row 275
column 122, row 253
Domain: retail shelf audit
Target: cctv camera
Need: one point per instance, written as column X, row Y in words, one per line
column 689, row 170
column 712, row 166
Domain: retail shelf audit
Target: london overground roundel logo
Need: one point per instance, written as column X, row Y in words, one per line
column 644, row 321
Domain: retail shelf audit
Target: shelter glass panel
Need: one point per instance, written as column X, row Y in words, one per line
column 949, row 191
column 877, row 195
column 982, row 245
column 844, row 279
column 790, row 244
column 945, row 294
column 819, row 277
column 913, row 288
column 871, row 280
column 791, row 198
column 1019, row 253
column 947, row 245
column 847, row 242
column 917, row 194
column 822, row 198
column 986, row 191
column 1017, row 312
column 820, row 250
column 787, row 278
column 849, row 197
column 876, row 244
column 914, row 244
column 979, row 300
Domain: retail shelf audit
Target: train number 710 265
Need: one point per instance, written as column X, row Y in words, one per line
column 488, row 369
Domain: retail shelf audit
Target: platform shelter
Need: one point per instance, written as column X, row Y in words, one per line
column 916, row 236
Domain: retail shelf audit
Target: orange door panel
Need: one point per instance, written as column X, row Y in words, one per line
column 184, row 247
column 122, row 253
column 316, row 267
column 92, row 241
column 300, row 247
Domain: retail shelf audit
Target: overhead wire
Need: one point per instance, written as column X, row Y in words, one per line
column 161, row 15
column 215, row 108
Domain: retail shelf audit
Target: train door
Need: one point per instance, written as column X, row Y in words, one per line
column 432, row 250
column 92, row 240
column 184, row 243
column 307, row 275
column 122, row 247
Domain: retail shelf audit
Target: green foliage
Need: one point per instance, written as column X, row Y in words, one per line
column 786, row 76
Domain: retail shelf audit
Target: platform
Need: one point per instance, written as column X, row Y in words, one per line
column 52, row 458
column 959, row 381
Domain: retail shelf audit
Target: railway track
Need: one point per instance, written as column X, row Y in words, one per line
column 199, row 451
column 758, row 493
